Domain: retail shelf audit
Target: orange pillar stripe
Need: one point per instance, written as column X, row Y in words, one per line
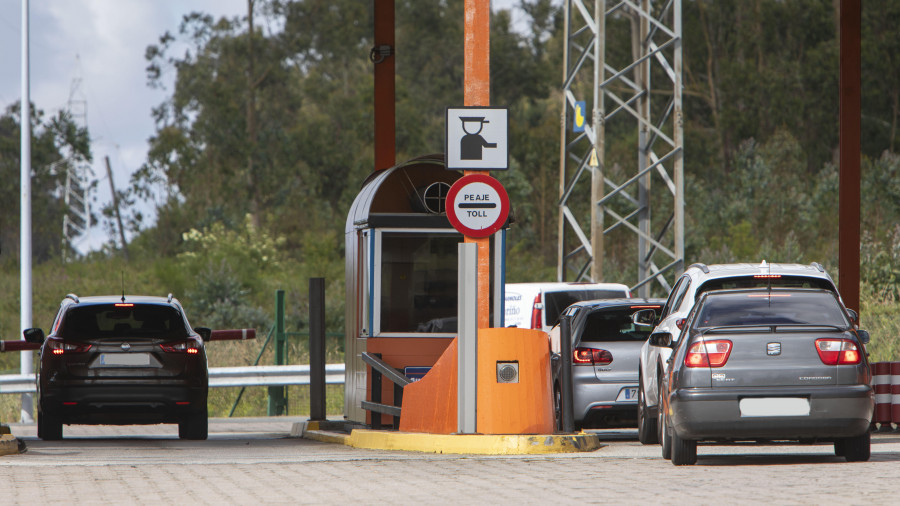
column 477, row 88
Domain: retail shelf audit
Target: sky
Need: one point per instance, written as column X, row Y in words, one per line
column 92, row 51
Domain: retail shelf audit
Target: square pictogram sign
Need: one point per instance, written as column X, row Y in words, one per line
column 476, row 138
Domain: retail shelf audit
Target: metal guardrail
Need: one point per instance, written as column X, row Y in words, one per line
column 219, row 377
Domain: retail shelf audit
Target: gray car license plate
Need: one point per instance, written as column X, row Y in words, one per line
column 774, row 406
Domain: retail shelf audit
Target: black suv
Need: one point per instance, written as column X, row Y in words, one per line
column 122, row 360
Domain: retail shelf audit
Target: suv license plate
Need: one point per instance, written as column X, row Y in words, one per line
column 107, row 359
column 627, row 394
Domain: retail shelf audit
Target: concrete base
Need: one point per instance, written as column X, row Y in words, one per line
column 8, row 445
column 505, row 444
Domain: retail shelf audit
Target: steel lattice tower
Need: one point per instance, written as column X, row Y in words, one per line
column 77, row 220
column 616, row 88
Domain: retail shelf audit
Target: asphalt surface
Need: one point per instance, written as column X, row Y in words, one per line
column 255, row 461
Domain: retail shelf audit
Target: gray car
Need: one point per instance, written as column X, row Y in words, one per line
column 606, row 346
column 766, row 365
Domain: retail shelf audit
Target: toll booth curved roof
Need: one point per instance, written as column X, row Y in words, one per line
column 395, row 197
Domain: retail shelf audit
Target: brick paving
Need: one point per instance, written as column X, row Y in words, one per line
column 253, row 461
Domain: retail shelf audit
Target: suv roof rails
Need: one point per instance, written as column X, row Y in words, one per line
column 700, row 266
column 73, row 297
column 169, row 299
column 818, row 266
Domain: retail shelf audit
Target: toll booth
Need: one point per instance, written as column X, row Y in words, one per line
column 401, row 276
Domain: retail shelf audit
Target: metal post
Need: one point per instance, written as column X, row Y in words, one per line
column 376, row 394
column 317, row 348
column 565, row 375
column 849, row 142
column 26, row 365
column 467, row 365
column 277, row 401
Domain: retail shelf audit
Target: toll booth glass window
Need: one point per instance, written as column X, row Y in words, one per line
column 418, row 283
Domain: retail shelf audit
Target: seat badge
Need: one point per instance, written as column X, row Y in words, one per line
column 126, row 346
column 773, row 349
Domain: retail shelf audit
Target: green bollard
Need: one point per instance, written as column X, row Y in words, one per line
column 277, row 397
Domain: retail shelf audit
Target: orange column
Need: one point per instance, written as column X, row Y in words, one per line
column 477, row 92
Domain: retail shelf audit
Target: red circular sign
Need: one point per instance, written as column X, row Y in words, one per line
column 477, row 205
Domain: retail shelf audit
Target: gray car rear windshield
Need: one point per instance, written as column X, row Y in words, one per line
column 770, row 308
column 100, row 321
column 557, row 302
column 613, row 324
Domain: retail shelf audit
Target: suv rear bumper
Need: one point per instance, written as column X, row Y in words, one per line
column 123, row 404
column 835, row 412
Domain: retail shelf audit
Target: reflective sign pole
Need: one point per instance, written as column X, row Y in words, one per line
column 467, row 351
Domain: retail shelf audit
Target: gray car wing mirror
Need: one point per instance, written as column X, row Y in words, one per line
column 663, row 339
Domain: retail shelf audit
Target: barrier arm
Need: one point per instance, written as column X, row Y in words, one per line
column 232, row 335
column 18, row 346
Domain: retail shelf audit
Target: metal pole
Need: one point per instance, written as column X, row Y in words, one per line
column 115, row 199
column 276, row 394
column 850, row 120
column 565, row 375
column 317, row 348
column 467, row 357
column 26, row 365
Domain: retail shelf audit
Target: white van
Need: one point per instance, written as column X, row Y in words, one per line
column 538, row 305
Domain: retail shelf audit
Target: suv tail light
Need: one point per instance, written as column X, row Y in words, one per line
column 582, row 356
column 191, row 347
column 536, row 313
column 59, row 347
column 837, row 351
column 708, row 353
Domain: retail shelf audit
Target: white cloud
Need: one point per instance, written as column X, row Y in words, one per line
column 102, row 43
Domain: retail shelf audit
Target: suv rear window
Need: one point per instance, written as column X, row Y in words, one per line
column 98, row 321
column 777, row 308
column 613, row 325
column 557, row 302
column 760, row 281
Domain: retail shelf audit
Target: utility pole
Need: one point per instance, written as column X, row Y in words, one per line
column 115, row 200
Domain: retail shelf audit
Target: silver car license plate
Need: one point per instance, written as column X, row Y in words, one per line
column 774, row 406
column 627, row 394
column 116, row 359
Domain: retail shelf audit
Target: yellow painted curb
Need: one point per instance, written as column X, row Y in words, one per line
column 506, row 444
column 8, row 445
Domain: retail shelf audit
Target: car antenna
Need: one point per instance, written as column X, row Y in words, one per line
column 123, row 286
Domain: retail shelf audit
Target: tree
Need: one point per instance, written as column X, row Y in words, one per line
column 56, row 142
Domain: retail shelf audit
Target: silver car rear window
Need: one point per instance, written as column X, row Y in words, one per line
column 556, row 302
column 770, row 308
column 613, row 325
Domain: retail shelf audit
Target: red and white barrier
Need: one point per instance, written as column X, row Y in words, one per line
column 881, row 383
column 18, row 346
column 895, row 393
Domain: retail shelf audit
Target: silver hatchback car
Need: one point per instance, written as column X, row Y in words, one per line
column 779, row 364
column 606, row 346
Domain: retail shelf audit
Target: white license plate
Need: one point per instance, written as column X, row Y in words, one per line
column 627, row 394
column 774, row 406
column 124, row 359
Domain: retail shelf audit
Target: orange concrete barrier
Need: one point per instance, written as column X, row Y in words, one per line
column 429, row 405
column 525, row 407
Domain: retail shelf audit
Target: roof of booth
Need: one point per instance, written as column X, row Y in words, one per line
column 389, row 197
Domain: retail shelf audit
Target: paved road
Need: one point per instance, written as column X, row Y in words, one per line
column 254, row 460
